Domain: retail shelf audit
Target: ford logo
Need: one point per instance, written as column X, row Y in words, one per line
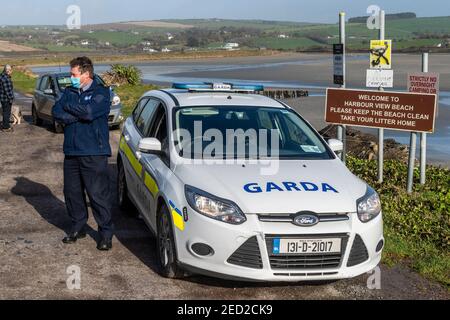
column 306, row 220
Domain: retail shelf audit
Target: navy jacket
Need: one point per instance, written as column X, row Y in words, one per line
column 84, row 115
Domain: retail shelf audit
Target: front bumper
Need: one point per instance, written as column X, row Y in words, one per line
column 235, row 247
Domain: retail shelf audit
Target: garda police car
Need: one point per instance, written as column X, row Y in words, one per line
column 294, row 213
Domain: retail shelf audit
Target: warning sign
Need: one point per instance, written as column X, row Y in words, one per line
column 421, row 82
column 380, row 54
column 390, row 110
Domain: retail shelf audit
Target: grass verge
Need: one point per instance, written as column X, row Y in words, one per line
column 23, row 81
column 417, row 225
column 130, row 94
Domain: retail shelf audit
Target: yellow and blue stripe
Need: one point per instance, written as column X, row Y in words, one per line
column 177, row 216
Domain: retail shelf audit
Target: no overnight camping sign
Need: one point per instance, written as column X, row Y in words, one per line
column 379, row 109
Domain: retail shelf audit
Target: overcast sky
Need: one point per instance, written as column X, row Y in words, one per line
column 19, row 12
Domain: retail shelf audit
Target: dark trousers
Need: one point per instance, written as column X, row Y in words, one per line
column 6, row 107
column 88, row 174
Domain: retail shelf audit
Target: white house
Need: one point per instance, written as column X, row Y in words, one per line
column 84, row 42
column 283, row 36
column 231, row 46
column 149, row 50
column 165, row 50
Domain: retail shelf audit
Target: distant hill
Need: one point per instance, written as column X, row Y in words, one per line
column 392, row 16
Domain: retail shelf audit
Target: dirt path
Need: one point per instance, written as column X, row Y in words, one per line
column 33, row 260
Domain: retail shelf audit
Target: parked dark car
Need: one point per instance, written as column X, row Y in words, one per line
column 49, row 88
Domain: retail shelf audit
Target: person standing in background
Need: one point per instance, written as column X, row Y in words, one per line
column 6, row 97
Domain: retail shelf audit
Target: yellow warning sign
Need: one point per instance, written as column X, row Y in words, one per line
column 380, row 54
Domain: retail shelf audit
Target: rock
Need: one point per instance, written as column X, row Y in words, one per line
column 365, row 146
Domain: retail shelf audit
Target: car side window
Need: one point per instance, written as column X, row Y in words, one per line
column 138, row 109
column 45, row 83
column 159, row 131
column 144, row 119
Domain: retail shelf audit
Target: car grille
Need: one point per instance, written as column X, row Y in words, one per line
column 309, row 261
column 248, row 255
column 359, row 253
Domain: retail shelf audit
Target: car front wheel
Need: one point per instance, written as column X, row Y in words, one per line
column 36, row 120
column 167, row 256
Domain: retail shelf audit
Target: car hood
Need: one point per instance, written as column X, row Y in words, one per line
column 321, row 186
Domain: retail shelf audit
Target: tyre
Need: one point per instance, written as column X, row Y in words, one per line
column 36, row 120
column 166, row 250
column 124, row 201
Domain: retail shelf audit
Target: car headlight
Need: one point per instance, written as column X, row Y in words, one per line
column 214, row 207
column 115, row 100
column 369, row 206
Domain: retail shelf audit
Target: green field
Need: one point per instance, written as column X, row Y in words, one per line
column 404, row 32
column 407, row 34
column 114, row 37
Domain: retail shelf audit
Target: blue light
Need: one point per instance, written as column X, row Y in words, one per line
column 191, row 86
column 218, row 87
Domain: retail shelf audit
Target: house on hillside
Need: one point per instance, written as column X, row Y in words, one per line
column 231, row 46
column 149, row 50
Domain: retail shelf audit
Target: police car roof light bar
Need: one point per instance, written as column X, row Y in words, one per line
column 220, row 87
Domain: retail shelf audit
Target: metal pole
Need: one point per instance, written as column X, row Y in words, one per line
column 411, row 162
column 341, row 130
column 381, row 130
column 423, row 136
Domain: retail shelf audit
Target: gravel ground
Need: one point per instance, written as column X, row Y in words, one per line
column 33, row 260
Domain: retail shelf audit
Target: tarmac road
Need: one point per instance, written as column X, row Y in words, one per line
column 34, row 261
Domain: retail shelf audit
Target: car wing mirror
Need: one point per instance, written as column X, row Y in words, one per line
column 150, row 146
column 49, row 92
column 336, row 145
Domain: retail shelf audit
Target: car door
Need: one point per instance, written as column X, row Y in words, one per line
column 40, row 97
column 49, row 97
column 133, row 132
column 156, row 167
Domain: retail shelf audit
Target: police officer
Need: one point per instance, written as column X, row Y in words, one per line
column 83, row 110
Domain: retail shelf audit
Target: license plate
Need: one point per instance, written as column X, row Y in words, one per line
column 306, row 246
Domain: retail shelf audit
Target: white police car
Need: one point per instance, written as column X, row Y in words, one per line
column 237, row 185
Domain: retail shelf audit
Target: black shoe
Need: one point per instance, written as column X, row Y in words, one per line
column 74, row 236
column 104, row 244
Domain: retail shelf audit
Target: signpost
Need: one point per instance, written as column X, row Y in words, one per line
column 341, row 130
column 423, row 82
column 387, row 110
column 381, row 130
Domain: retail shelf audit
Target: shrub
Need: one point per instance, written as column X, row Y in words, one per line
column 121, row 74
column 421, row 216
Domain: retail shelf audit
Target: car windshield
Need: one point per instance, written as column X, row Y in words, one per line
column 64, row 81
column 245, row 132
